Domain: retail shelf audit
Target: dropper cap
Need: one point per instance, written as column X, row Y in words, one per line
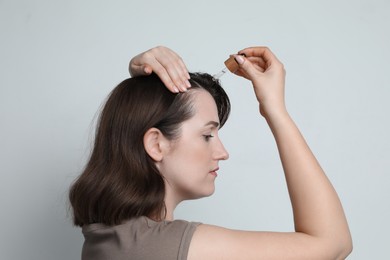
column 231, row 64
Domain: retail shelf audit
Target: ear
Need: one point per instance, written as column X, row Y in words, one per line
column 154, row 143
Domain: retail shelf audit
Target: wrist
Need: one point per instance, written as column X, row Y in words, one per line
column 278, row 120
column 273, row 112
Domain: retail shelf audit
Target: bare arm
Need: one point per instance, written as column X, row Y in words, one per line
column 321, row 229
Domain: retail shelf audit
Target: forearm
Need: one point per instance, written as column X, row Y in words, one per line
column 316, row 206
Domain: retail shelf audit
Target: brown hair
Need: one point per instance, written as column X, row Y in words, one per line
column 120, row 180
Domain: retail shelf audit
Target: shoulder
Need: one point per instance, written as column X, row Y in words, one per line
column 143, row 228
column 143, row 237
column 158, row 228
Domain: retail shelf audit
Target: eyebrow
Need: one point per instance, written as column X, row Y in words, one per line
column 213, row 123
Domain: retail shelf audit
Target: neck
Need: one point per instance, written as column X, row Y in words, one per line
column 171, row 201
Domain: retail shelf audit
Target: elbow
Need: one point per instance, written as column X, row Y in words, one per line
column 348, row 247
column 345, row 247
column 337, row 247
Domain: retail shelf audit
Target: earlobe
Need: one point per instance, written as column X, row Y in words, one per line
column 153, row 139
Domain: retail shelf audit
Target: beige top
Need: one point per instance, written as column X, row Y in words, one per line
column 139, row 238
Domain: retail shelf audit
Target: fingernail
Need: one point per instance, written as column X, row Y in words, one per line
column 188, row 84
column 239, row 59
column 175, row 89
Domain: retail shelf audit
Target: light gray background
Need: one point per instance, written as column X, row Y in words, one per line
column 60, row 59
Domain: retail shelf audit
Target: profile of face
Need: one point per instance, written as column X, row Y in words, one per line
column 151, row 144
column 189, row 164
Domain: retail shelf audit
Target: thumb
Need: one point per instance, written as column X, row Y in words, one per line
column 140, row 70
column 147, row 69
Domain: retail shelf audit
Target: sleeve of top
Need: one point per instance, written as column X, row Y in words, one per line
column 165, row 240
column 171, row 240
column 186, row 240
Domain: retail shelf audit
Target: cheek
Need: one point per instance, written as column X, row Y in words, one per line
column 188, row 161
column 196, row 160
column 189, row 156
column 191, row 150
column 189, row 165
column 186, row 172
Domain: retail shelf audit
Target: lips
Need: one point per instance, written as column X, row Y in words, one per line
column 214, row 172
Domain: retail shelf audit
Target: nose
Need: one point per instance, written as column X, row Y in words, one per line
column 220, row 152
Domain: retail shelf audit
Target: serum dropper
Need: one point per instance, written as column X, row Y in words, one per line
column 230, row 64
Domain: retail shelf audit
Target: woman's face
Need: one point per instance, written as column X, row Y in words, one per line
column 191, row 163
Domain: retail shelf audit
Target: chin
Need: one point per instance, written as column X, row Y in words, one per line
column 207, row 193
column 204, row 194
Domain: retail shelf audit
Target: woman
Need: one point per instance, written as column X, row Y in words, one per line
column 154, row 160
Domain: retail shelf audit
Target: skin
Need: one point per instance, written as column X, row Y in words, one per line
column 321, row 229
column 190, row 163
column 166, row 64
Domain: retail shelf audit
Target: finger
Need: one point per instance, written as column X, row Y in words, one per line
column 181, row 67
column 138, row 70
column 174, row 68
column 151, row 64
column 174, row 65
column 258, row 62
column 264, row 52
column 184, row 73
column 162, row 73
column 138, row 65
column 180, row 73
column 242, row 73
column 166, row 64
column 147, row 69
column 247, row 69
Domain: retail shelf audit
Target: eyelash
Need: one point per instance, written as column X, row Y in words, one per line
column 207, row 137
